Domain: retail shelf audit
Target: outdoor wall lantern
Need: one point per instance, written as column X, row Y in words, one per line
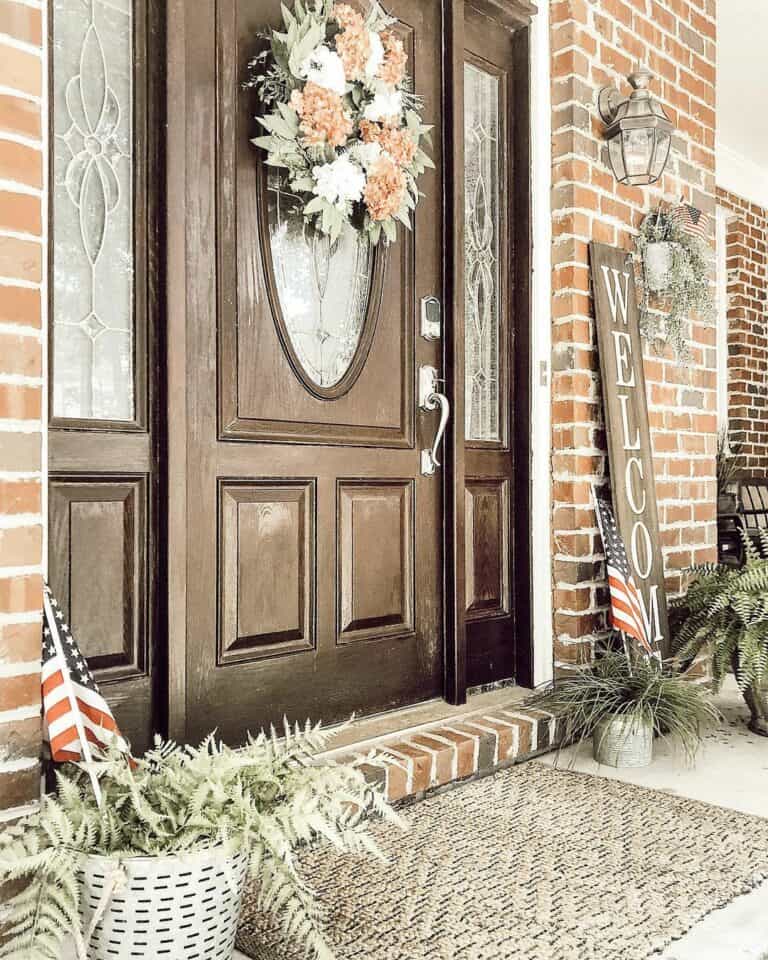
column 638, row 131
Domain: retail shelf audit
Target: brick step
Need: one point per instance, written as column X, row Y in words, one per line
column 409, row 764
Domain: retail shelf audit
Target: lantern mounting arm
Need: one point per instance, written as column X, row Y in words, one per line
column 608, row 103
column 609, row 99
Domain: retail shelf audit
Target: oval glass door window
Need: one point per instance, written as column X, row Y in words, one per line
column 324, row 292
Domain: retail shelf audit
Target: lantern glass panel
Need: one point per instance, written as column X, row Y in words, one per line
column 616, row 157
column 663, row 142
column 638, row 151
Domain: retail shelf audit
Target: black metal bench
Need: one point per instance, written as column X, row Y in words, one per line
column 753, row 506
column 751, row 516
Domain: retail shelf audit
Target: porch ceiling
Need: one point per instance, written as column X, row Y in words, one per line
column 742, row 79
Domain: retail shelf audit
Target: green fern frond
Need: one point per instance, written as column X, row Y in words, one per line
column 268, row 798
column 726, row 610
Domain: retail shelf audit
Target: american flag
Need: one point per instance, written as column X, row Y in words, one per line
column 690, row 221
column 74, row 712
column 626, row 608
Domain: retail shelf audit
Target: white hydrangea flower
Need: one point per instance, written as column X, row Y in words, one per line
column 325, row 68
column 339, row 182
column 376, row 56
column 367, row 154
column 383, row 105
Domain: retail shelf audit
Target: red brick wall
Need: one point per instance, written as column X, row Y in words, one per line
column 21, row 397
column 747, row 265
column 594, row 43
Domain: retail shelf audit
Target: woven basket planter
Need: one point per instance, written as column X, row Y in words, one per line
column 623, row 742
column 170, row 908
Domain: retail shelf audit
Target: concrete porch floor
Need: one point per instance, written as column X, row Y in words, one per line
column 731, row 771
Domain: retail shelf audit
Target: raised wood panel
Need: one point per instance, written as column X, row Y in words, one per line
column 266, row 533
column 97, row 615
column 260, row 395
column 375, row 559
column 98, row 529
column 487, row 542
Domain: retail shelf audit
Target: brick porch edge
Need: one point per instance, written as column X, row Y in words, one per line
column 409, row 763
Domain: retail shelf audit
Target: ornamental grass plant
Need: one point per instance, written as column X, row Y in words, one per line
column 265, row 800
column 630, row 686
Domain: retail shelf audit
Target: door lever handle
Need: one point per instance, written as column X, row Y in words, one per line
column 429, row 461
column 430, row 398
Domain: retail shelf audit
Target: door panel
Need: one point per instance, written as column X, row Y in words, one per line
column 267, row 548
column 487, row 538
column 98, row 531
column 492, row 430
column 104, row 440
column 308, row 517
column 375, row 560
column 261, row 395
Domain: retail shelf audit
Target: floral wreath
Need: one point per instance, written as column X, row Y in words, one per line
column 341, row 118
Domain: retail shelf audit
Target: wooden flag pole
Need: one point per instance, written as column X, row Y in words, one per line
column 53, row 626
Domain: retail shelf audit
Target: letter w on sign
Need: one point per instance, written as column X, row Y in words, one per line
column 629, row 440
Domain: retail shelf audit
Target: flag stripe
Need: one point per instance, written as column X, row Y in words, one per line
column 67, row 736
column 54, row 711
column 626, row 601
column 74, row 712
column 53, row 681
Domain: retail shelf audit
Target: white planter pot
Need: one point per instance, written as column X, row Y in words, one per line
column 163, row 908
column 658, row 264
column 623, row 742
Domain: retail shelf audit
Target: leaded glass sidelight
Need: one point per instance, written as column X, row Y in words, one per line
column 323, row 288
column 93, row 254
column 482, row 174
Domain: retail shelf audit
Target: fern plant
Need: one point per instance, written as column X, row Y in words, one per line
column 267, row 799
column 726, row 610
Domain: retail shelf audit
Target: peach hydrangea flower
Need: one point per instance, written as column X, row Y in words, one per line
column 397, row 142
column 354, row 50
column 392, row 70
column 322, row 115
column 346, row 16
column 385, row 190
column 353, row 44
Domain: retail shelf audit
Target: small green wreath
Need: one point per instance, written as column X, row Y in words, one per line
column 341, row 119
column 674, row 279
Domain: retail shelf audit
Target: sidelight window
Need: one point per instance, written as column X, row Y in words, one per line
column 92, row 268
column 483, row 165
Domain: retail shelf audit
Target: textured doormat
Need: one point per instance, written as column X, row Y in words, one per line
column 531, row 864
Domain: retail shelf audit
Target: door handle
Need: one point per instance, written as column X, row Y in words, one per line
column 430, row 398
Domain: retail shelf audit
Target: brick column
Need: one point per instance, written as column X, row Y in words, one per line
column 596, row 43
column 22, row 207
column 747, row 264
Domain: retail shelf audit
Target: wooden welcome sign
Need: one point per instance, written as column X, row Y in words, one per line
column 629, row 440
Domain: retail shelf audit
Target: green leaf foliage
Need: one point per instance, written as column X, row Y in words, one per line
column 269, row 798
column 664, row 316
column 725, row 610
column 278, row 69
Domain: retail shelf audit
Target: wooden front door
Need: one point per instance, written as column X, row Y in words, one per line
column 313, row 542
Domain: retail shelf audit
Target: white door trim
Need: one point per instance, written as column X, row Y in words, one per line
column 541, row 351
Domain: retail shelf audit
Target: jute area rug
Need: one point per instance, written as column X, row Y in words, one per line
column 530, row 864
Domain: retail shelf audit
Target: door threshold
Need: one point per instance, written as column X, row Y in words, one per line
column 402, row 720
column 417, row 749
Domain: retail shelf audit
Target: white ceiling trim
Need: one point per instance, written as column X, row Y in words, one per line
column 742, row 176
